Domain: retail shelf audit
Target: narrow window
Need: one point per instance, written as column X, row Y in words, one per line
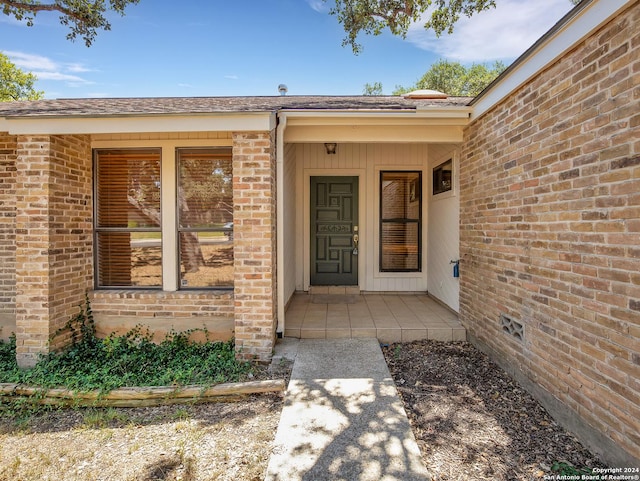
column 442, row 177
column 400, row 221
column 205, row 218
column 128, row 238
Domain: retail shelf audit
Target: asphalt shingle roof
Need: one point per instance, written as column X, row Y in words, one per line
column 97, row 107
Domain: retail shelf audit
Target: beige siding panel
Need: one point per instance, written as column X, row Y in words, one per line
column 369, row 133
column 290, row 207
column 365, row 160
column 444, row 230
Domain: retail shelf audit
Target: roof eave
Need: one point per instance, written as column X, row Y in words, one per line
column 133, row 123
column 584, row 18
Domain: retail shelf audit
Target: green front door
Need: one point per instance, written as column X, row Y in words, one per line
column 334, row 230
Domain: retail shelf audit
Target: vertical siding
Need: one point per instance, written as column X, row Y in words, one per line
column 444, row 231
column 365, row 160
column 290, row 207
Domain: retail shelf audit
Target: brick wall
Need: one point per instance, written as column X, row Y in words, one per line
column 550, row 235
column 254, row 243
column 7, row 235
column 53, row 238
column 119, row 311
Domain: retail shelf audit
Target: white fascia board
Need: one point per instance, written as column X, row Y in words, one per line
column 223, row 122
column 581, row 24
column 420, row 116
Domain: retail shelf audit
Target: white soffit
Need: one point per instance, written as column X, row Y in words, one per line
column 223, row 122
column 575, row 28
column 429, row 124
column 419, row 116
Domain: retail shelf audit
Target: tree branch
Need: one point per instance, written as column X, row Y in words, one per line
column 38, row 7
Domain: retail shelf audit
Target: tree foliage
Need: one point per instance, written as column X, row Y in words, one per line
column 83, row 17
column 455, row 79
column 374, row 16
column 16, row 84
column 372, row 89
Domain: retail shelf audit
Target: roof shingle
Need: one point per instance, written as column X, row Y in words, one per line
column 98, row 107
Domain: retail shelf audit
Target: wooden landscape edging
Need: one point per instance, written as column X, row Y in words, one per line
column 139, row 396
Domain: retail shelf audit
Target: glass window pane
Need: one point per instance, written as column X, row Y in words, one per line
column 400, row 196
column 128, row 188
column 442, row 177
column 400, row 212
column 205, row 217
column 400, row 246
column 129, row 259
column 205, row 188
column 206, row 259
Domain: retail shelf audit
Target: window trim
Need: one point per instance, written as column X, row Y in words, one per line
column 382, row 221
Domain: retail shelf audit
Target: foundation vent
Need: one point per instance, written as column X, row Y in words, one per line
column 512, row 327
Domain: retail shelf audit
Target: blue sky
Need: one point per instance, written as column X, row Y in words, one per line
column 249, row 47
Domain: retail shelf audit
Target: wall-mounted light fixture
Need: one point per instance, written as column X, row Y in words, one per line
column 331, row 147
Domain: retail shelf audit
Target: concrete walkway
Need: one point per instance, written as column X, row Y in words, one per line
column 342, row 418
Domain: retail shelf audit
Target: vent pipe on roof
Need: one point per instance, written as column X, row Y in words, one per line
column 425, row 94
column 282, row 88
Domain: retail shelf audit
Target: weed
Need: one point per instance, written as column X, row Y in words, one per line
column 101, row 418
column 91, row 363
column 562, row 468
column 181, row 414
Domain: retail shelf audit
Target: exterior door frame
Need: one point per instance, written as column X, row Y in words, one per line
column 362, row 205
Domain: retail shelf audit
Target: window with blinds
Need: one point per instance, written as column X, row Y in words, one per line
column 400, row 221
column 128, row 235
column 205, row 217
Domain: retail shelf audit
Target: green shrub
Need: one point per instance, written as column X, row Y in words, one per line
column 129, row 360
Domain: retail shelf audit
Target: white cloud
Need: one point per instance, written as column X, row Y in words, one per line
column 77, row 68
column 231, row 77
column 46, row 69
column 502, row 33
column 48, row 75
column 30, row 61
column 318, row 5
column 189, row 86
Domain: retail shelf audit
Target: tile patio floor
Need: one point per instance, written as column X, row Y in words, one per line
column 388, row 317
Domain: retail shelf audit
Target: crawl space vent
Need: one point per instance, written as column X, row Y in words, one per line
column 512, row 327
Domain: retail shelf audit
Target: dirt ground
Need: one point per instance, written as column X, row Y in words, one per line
column 472, row 422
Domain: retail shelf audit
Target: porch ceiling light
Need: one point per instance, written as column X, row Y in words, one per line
column 331, row 147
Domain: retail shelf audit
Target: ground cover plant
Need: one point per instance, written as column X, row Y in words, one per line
column 91, row 363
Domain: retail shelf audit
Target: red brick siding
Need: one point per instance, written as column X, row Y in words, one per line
column 550, row 229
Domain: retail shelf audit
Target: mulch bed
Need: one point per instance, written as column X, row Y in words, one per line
column 472, row 421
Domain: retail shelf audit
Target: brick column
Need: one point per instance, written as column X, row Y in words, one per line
column 7, row 235
column 53, row 238
column 254, row 217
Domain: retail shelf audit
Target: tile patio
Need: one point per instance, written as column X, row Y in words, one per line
column 387, row 317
